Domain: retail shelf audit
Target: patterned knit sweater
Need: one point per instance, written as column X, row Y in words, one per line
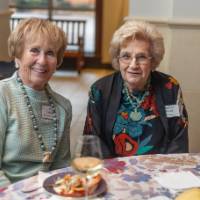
column 20, row 152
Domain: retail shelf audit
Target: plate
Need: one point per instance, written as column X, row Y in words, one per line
column 50, row 181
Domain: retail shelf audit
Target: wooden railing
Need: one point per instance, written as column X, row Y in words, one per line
column 75, row 32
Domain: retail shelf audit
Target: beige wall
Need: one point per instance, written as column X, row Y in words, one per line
column 114, row 12
column 185, row 65
column 4, row 32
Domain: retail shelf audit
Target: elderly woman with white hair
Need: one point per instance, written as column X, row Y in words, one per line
column 137, row 110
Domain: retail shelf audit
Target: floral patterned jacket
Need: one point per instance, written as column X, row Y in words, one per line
column 104, row 102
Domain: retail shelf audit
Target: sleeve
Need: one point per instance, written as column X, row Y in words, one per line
column 4, row 181
column 93, row 123
column 178, row 128
column 67, row 129
column 93, row 118
column 63, row 155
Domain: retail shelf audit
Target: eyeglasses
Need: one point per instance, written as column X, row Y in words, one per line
column 140, row 59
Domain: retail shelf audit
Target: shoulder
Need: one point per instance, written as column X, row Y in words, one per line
column 104, row 81
column 167, row 87
column 61, row 98
column 64, row 102
column 8, row 93
column 161, row 76
column 103, row 87
column 7, row 81
column 7, row 86
column 164, row 80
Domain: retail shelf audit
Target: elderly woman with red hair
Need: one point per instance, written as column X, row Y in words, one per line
column 35, row 120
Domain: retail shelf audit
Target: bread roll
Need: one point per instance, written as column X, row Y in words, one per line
column 191, row 194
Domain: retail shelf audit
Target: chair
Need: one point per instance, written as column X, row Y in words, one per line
column 6, row 69
column 75, row 31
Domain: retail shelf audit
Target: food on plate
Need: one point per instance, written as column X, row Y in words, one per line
column 74, row 185
column 191, row 194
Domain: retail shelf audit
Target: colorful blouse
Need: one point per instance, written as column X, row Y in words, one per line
column 129, row 131
column 163, row 127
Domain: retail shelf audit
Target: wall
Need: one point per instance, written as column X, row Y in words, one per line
column 113, row 15
column 153, row 8
column 5, row 31
column 3, row 5
column 179, row 22
column 186, row 9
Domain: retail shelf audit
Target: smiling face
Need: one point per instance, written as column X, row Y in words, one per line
column 137, row 71
column 37, row 63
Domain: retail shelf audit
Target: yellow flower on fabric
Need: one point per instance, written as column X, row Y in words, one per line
column 173, row 80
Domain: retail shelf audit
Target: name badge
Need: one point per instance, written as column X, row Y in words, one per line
column 172, row 111
column 47, row 112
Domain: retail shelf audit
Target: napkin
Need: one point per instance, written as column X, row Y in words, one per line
column 159, row 198
column 178, row 180
column 54, row 197
column 42, row 176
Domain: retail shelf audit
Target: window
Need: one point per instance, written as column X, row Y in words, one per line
column 63, row 9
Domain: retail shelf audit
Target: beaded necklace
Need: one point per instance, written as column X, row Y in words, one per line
column 47, row 153
column 136, row 114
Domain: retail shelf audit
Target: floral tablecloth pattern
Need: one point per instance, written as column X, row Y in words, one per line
column 130, row 178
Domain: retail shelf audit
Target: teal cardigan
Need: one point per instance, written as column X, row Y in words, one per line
column 20, row 152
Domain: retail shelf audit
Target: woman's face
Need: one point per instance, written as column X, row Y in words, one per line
column 135, row 64
column 37, row 63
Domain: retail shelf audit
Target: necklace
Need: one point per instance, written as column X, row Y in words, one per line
column 136, row 114
column 47, row 153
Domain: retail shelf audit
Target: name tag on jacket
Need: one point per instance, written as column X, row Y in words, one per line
column 47, row 112
column 172, row 111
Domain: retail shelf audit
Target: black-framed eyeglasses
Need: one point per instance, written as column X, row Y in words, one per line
column 141, row 59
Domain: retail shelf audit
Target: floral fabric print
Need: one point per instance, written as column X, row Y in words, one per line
column 114, row 166
column 127, row 128
column 94, row 95
column 182, row 121
column 127, row 132
column 172, row 81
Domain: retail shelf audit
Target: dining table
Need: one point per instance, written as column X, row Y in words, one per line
column 126, row 178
